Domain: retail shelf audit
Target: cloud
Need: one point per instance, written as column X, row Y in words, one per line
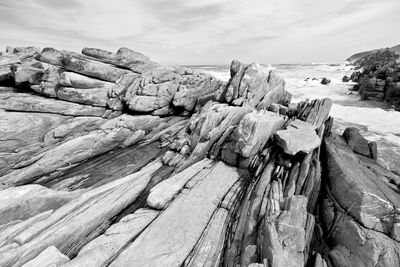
column 209, row 31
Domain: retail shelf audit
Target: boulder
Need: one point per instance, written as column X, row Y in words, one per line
column 325, row 81
column 297, row 139
column 255, row 86
column 366, row 191
column 345, row 79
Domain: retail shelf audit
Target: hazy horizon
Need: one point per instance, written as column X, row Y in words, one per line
column 211, row 32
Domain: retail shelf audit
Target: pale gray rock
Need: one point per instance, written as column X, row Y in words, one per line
column 254, row 130
column 124, row 57
column 172, row 236
column 23, row 202
column 32, row 103
column 255, row 86
column 71, row 79
column 74, row 151
column 81, row 64
column 294, row 140
column 79, row 221
column 102, row 249
column 50, row 257
column 94, row 96
column 164, row 192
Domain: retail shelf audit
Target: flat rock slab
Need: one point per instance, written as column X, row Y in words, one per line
column 49, row 257
column 31, row 103
column 172, row 236
column 361, row 186
column 294, row 140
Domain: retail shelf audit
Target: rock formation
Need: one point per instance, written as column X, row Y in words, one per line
column 379, row 78
column 110, row 159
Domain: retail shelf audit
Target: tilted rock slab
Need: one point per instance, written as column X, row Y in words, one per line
column 81, row 64
column 171, row 237
column 104, row 248
column 78, row 222
column 301, row 139
column 124, row 57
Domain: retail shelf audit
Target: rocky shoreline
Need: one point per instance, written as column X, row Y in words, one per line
column 110, row 159
column 378, row 77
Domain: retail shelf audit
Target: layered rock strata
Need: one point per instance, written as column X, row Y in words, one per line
column 379, row 77
column 110, row 159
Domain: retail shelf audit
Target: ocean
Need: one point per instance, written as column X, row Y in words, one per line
column 376, row 121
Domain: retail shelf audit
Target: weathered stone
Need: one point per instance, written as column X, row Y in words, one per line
column 51, row 256
column 104, row 248
column 172, row 236
column 283, row 242
column 79, row 221
column 95, row 97
column 255, row 86
column 325, row 81
column 32, row 103
column 71, row 79
column 81, row 64
column 364, row 191
column 5, row 73
column 23, row 202
column 254, row 130
column 73, row 151
column 165, row 191
column 294, row 140
column 124, row 57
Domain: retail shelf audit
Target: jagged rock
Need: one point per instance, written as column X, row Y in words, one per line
column 210, row 126
column 296, row 139
column 325, row 81
column 51, row 256
column 102, row 249
column 284, row 240
column 315, row 112
column 76, row 150
column 254, row 130
column 184, row 219
column 124, row 57
column 79, row 221
column 255, row 86
column 156, row 90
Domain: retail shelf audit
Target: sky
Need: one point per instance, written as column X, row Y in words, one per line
column 206, row 31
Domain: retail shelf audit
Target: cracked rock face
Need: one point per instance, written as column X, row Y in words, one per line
column 110, row 159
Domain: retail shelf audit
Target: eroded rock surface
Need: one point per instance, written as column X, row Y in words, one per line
column 110, row 159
